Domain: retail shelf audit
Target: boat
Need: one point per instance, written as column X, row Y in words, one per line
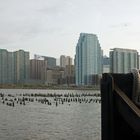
column 120, row 108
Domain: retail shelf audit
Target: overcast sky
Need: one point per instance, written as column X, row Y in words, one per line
column 52, row 27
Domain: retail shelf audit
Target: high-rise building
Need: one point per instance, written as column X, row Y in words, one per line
column 88, row 59
column 14, row 66
column 21, row 60
column 38, row 69
column 65, row 60
column 69, row 74
column 123, row 60
column 6, row 67
column 62, row 61
column 51, row 61
column 106, row 64
column 68, row 60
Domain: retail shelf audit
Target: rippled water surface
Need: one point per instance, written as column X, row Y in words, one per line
column 36, row 121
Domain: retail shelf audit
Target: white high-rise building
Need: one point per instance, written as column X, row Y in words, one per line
column 14, row 66
column 123, row 60
column 65, row 60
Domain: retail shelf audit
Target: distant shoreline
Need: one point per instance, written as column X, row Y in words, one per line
column 49, row 87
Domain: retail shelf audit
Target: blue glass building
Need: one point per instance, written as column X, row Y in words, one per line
column 88, row 59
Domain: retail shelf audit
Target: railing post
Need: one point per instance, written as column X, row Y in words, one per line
column 107, row 118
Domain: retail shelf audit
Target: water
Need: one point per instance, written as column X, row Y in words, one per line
column 36, row 121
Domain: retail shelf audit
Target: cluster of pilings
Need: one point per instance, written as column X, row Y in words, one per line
column 49, row 98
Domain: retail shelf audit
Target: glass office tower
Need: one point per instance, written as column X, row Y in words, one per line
column 88, row 59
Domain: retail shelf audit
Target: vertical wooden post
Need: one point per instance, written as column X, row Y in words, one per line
column 107, row 118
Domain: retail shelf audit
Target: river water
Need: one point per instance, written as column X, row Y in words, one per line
column 40, row 121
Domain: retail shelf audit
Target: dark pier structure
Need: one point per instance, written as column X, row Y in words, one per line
column 120, row 113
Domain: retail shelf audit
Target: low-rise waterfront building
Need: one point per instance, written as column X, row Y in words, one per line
column 54, row 76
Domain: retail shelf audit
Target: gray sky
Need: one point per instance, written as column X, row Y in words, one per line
column 52, row 27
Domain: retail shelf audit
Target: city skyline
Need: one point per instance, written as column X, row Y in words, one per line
column 87, row 69
column 44, row 26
